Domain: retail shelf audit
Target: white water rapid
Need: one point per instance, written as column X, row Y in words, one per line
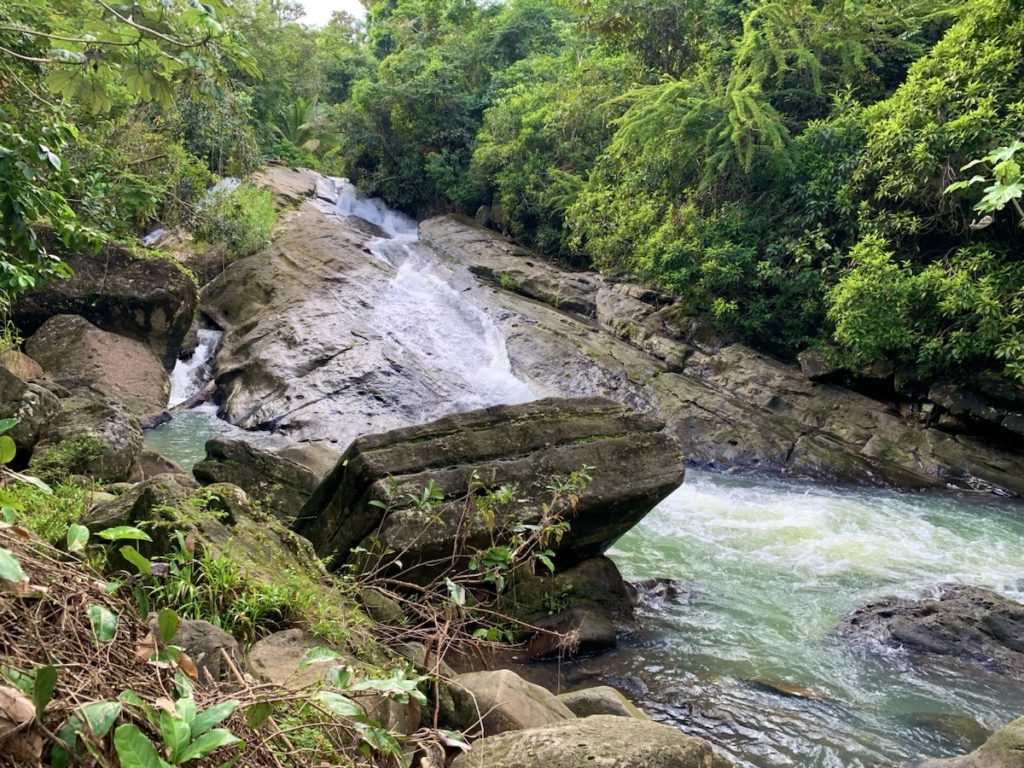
column 190, row 376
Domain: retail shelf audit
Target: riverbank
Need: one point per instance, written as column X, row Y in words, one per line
column 344, row 328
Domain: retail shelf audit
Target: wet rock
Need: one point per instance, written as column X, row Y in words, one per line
column 635, row 465
column 602, row 700
column 1004, row 749
column 79, row 356
column 150, row 300
column 601, row 740
column 290, row 186
column 283, row 484
column 968, row 624
column 500, row 261
column 594, row 583
column 502, row 701
column 992, row 406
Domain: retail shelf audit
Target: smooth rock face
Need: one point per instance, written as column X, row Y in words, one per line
column 1004, row 749
column 602, row 700
column 635, row 465
column 149, row 300
column 602, row 741
column 281, row 483
column 78, row 355
column 969, row 624
column 502, row 701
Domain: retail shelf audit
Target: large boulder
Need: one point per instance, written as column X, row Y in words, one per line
column 634, row 465
column 281, row 480
column 502, row 701
column 968, row 624
column 78, row 355
column 92, row 435
column 602, row 740
column 151, row 300
column 1004, row 749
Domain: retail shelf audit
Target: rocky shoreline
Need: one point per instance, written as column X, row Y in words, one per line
column 634, row 387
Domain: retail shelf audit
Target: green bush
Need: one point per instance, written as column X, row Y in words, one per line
column 242, row 218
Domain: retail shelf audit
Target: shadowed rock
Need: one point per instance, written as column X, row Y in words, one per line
column 635, row 465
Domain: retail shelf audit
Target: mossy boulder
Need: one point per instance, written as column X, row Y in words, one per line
column 33, row 404
column 91, row 435
column 282, row 480
column 502, row 701
column 601, row 700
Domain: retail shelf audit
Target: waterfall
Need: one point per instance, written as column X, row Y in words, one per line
column 190, row 376
column 425, row 317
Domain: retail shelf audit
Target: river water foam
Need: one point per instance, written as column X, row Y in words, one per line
column 770, row 568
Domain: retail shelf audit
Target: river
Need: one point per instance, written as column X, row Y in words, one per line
column 746, row 654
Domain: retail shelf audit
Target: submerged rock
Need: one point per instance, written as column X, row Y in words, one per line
column 150, row 300
column 968, row 624
column 602, row 740
column 1004, row 749
column 370, row 491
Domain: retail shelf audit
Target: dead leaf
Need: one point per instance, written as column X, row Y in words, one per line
column 26, row 748
column 147, row 648
column 16, row 711
column 190, row 542
column 20, row 532
column 165, row 704
column 187, row 666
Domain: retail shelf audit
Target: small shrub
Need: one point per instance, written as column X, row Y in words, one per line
column 243, row 219
column 67, row 458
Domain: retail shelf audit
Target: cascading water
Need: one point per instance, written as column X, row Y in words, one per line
column 190, row 376
column 424, row 316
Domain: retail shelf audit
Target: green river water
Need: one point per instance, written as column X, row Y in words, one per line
column 769, row 568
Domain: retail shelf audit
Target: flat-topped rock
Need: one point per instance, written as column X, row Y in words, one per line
column 634, row 465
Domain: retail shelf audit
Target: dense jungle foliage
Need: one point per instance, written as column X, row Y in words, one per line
column 842, row 174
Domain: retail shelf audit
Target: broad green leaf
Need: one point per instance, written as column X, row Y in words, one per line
column 176, row 734
column 168, row 623
column 124, row 533
column 63, row 81
column 257, row 714
column 10, row 566
column 186, row 709
column 78, row 537
column 104, row 623
column 339, row 676
column 99, row 716
column 42, row 689
column 339, row 705
column 8, row 450
column 7, row 424
column 317, row 655
column 456, row 592
column 207, row 743
column 134, row 750
column 212, row 716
